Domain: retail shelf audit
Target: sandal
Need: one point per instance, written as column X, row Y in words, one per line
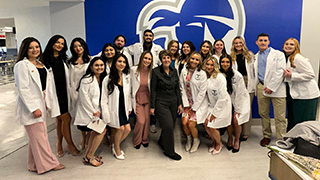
column 95, row 162
column 59, row 167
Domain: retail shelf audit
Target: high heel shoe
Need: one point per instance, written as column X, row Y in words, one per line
column 229, row 147
column 76, row 152
column 236, row 150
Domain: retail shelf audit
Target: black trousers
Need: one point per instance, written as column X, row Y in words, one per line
column 166, row 112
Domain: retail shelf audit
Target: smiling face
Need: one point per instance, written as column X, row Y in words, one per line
column 209, row 66
column 289, row 47
column 238, row 45
column 166, row 60
column 98, row 67
column 205, row 48
column 218, row 47
column 109, row 52
column 77, row 47
column 148, row 37
column 263, row 43
column 120, row 64
column 147, row 60
column 225, row 64
column 33, row 50
column 186, row 49
column 194, row 61
column 174, row 48
column 58, row 46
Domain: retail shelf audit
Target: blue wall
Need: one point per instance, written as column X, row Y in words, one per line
column 280, row 19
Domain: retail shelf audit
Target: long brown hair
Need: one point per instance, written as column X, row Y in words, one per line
column 141, row 62
column 295, row 52
column 177, row 54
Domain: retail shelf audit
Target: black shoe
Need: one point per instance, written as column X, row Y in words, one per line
column 137, row 146
column 229, row 147
column 145, row 145
column 175, row 157
column 243, row 138
column 236, row 150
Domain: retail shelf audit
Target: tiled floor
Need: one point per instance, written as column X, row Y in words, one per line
column 251, row 163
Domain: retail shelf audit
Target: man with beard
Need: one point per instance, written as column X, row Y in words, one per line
column 120, row 41
column 136, row 50
column 147, row 45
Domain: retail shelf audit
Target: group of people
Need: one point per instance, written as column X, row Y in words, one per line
column 208, row 87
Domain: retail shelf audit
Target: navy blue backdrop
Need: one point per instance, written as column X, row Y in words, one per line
column 193, row 20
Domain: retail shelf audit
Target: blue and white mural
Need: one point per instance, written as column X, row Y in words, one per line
column 194, row 20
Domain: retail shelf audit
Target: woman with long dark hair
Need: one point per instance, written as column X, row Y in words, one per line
column 54, row 58
column 205, row 49
column 36, row 97
column 186, row 50
column 108, row 53
column 240, row 102
column 116, row 102
column 78, row 65
column 88, row 108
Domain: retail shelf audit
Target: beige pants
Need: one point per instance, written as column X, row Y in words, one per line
column 279, row 110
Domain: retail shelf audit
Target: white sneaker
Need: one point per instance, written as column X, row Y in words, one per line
column 189, row 142
column 153, row 128
column 195, row 146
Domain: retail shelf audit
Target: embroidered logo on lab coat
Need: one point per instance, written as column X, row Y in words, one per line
column 197, row 77
column 214, row 92
column 127, row 80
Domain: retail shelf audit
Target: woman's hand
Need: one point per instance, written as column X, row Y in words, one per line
column 37, row 113
column 179, row 109
column 212, row 117
column 287, row 73
column 152, row 111
column 96, row 114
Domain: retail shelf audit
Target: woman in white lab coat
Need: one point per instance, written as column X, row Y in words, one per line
column 219, row 104
column 240, row 101
column 88, row 107
column 108, row 53
column 186, row 50
column 218, row 49
column 140, row 79
column 116, row 102
column 205, row 49
column 54, row 58
column 193, row 85
column 36, row 97
column 243, row 62
column 78, row 65
column 303, row 92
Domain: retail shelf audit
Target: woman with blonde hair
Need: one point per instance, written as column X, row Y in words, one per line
column 243, row 62
column 140, row 79
column 219, row 104
column 302, row 89
column 193, row 85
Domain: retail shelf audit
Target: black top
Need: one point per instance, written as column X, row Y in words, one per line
column 241, row 61
column 59, row 75
column 180, row 67
column 43, row 78
column 164, row 87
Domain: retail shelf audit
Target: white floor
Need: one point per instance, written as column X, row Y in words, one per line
column 251, row 163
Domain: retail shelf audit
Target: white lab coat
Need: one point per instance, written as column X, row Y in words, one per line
column 273, row 78
column 136, row 50
column 30, row 96
column 88, row 102
column 219, row 102
column 135, row 84
column 240, row 98
column 302, row 82
column 110, row 103
column 198, row 85
column 250, row 73
column 75, row 74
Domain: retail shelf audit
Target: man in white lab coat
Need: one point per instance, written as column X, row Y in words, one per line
column 270, row 87
column 136, row 50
